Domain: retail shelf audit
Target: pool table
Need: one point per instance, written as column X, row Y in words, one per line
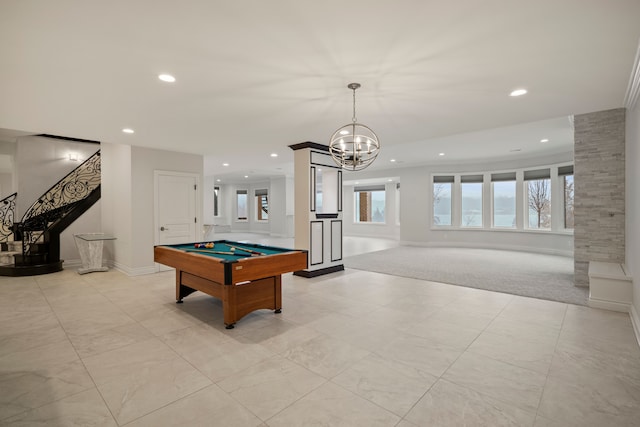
column 244, row 276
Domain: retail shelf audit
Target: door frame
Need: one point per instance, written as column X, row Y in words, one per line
column 156, row 192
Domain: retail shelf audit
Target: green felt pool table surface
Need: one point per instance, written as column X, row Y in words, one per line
column 230, row 250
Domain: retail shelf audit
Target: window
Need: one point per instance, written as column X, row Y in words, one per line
column 471, row 194
column 538, row 197
column 216, row 193
column 369, row 204
column 241, row 205
column 503, row 186
column 262, row 205
column 566, row 173
column 442, row 200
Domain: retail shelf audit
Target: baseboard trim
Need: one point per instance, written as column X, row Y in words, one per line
column 609, row 305
column 280, row 235
column 72, row 263
column 635, row 322
column 140, row 271
column 308, row 274
column 468, row 245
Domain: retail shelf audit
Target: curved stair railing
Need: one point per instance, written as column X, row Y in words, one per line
column 55, row 210
column 7, row 213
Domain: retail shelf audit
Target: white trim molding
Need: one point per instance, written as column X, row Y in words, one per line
column 133, row 271
column 609, row 286
column 633, row 89
column 635, row 322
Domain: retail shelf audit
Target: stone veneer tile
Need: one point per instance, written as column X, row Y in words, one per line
column 599, row 156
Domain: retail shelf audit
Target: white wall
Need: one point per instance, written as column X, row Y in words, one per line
column 280, row 191
column 231, row 210
column 415, row 210
column 144, row 161
column 390, row 229
column 128, row 201
column 116, row 202
column 415, row 214
column 231, row 207
column 278, row 207
column 632, row 196
column 7, row 168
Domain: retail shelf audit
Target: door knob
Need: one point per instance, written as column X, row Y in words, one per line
column 163, row 229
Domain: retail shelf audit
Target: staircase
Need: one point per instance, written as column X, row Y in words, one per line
column 33, row 245
column 8, row 248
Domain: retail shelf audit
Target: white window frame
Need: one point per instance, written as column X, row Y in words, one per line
column 246, row 195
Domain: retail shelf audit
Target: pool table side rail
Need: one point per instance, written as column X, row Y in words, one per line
column 244, row 269
column 198, row 264
column 266, row 266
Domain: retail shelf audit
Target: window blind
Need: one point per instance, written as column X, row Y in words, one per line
column 443, row 179
column 471, row 178
column 369, row 188
column 565, row 170
column 505, row 176
column 537, row 174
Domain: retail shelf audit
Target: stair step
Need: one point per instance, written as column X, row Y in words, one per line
column 15, row 246
column 30, row 259
column 7, row 258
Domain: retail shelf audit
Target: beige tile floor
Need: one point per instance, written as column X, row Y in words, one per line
column 349, row 349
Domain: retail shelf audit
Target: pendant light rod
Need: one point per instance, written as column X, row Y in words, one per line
column 353, row 87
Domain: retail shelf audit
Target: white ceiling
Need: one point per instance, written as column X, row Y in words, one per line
column 255, row 76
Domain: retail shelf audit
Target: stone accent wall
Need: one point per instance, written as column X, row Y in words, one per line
column 599, row 176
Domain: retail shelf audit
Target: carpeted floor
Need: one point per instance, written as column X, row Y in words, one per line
column 521, row 273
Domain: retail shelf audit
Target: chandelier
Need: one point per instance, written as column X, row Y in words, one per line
column 354, row 146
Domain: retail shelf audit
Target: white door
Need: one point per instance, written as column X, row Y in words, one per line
column 176, row 207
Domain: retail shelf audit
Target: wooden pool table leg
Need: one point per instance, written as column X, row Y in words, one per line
column 278, row 293
column 181, row 290
column 229, row 302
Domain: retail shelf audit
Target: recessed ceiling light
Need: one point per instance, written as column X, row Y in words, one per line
column 440, row 154
column 392, row 160
column 390, row 180
column 218, row 180
column 518, row 92
column 167, row 78
column 225, row 164
column 544, row 140
column 127, row 130
column 274, row 154
column 246, row 176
